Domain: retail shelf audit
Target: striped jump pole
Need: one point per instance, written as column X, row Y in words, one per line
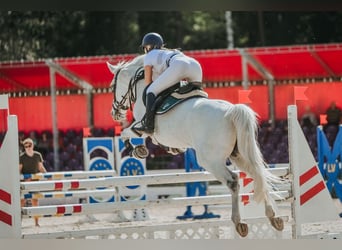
column 122, row 181
column 116, row 181
column 67, row 194
column 60, row 210
column 68, row 175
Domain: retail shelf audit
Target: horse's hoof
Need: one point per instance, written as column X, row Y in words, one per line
column 242, row 229
column 140, row 152
column 277, row 223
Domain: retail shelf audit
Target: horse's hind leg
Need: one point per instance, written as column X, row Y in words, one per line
column 233, row 185
column 276, row 222
column 216, row 165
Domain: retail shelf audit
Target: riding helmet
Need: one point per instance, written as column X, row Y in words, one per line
column 153, row 39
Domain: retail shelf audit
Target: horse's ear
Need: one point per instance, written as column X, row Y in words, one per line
column 112, row 68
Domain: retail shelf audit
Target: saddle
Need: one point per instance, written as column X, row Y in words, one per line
column 176, row 94
column 170, row 98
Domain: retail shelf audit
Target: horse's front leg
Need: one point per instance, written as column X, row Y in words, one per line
column 233, row 185
column 139, row 151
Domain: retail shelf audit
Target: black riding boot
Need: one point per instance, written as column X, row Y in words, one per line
column 148, row 121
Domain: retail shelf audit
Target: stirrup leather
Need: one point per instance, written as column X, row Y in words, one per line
column 142, row 127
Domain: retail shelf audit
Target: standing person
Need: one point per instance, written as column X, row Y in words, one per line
column 31, row 162
column 163, row 68
column 44, row 144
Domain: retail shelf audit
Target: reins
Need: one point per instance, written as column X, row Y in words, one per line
column 131, row 92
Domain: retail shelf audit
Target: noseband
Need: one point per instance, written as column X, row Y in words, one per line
column 131, row 92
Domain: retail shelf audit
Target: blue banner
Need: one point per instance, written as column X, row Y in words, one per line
column 329, row 161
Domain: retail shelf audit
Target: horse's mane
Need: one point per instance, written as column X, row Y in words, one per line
column 129, row 65
column 133, row 63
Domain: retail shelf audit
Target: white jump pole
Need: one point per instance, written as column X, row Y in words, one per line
column 117, row 181
column 121, row 181
column 68, row 209
column 10, row 212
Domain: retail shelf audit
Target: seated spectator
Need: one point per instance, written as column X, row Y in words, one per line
column 309, row 118
column 334, row 114
column 21, row 138
column 33, row 136
column 44, row 144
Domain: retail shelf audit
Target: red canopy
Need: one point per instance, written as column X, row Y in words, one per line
column 220, row 65
column 283, row 63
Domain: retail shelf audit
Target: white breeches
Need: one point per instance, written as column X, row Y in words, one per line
column 181, row 67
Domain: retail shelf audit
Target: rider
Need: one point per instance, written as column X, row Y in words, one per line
column 163, row 68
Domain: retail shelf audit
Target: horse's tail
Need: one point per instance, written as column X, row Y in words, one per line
column 249, row 158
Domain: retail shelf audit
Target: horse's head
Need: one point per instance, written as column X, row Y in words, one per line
column 126, row 75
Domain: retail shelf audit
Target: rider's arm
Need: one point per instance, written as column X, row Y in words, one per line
column 148, row 74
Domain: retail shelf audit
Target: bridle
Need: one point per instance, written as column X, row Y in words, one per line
column 131, row 93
